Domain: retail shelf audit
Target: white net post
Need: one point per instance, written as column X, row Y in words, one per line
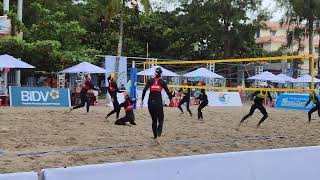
column 258, row 70
column 151, row 62
column 79, row 81
column 284, row 65
column 299, row 72
column 61, row 80
column 211, row 67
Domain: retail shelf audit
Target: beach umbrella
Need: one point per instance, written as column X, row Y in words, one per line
column 305, row 79
column 151, row 71
column 203, row 72
column 285, row 78
column 7, row 61
column 84, row 67
column 266, row 76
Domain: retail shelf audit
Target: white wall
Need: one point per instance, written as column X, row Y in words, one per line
column 275, row 46
column 264, row 32
column 280, row 164
column 267, row 47
column 19, row 176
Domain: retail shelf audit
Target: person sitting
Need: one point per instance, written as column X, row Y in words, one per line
column 128, row 107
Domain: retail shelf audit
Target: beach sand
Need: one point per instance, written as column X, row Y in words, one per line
column 53, row 132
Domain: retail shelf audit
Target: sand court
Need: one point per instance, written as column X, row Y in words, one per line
column 36, row 138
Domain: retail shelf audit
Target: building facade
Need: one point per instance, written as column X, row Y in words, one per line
column 273, row 35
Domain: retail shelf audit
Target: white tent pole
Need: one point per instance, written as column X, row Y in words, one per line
column 6, row 6
column 19, row 9
column 18, row 77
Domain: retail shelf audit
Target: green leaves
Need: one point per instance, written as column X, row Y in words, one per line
column 51, row 41
column 59, row 33
column 1, row 9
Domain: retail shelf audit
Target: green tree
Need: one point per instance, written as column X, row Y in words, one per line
column 231, row 14
column 116, row 7
column 51, row 40
column 1, row 9
column 305, row 10
column 208, row 29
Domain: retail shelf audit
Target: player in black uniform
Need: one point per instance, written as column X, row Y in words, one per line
column 259, row 97
column 203, row 100
column 128, row 107
column 186, row 92
column 313, row 98
column 86, row 86
column 155, row 105
column 113, row 91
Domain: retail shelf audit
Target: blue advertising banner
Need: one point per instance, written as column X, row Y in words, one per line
column 293, row 101
column 39, row 97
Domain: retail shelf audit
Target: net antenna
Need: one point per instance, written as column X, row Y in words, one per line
column 258, row 70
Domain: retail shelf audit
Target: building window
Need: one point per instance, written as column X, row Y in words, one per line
column 273, row 33
column 301, row 49
column 258, row 33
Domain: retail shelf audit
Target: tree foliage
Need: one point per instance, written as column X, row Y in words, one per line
column 59, row 33
column 297, row 11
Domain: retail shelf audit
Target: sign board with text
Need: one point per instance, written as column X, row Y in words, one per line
column 224, row 99
column 293, row 101
column 39, row 97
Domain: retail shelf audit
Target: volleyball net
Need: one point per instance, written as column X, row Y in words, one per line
column 239, row 71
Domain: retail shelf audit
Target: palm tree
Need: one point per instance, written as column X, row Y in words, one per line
column 306, row 10
column 309, row 11
column 117, row 7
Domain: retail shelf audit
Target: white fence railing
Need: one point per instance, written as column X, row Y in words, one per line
column 277, row 164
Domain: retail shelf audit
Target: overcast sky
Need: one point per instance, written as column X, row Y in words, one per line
column 269, row 4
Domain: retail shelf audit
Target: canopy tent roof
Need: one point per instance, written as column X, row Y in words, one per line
column 305, row 79
column 84, row 67
column 151, row 72
column 266, row 76
column 7, row 61
column 285, row 78
column 202, row 72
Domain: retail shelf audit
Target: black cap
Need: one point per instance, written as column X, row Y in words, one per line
column 158, row 71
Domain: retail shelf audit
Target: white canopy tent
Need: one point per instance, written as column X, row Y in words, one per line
column 151, row 72
column 7, row 61
column 203, row 72
column 84, row 67
column 305, row 79
column 266, row 76
column 285, row 78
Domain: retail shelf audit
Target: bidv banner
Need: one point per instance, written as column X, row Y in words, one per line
column 293, row 101
column 224, row 99
column 39, row 97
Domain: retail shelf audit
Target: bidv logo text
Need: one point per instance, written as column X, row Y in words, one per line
column 37, row 96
